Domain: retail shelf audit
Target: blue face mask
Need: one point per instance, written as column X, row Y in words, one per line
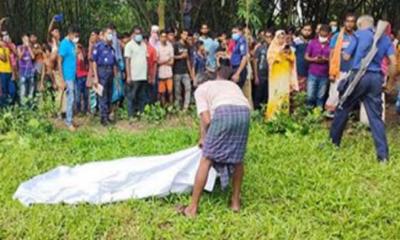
column 235, row 36
column 138, row 38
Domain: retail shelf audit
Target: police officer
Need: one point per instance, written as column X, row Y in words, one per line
column 104, row 61
column 239, row 56
column 369, row 89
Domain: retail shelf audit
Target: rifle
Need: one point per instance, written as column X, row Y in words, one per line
column 365, row 62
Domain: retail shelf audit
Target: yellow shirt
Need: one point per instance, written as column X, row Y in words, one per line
column 5, row 66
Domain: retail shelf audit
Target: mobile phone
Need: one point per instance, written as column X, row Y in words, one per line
column 59, row 17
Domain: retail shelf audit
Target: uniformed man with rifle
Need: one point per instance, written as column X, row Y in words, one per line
column 365, row 83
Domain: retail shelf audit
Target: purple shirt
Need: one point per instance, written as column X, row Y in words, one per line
column 25, row 63
column 317, row 49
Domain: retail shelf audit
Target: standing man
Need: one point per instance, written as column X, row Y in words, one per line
column 182, row 71
column 104, row 65
column 151, row 69
column 26, row 69
column 338, row 66
column 317, row 54
column 260, row 66
column 239, row 56
column 5, row 73
column 211, row 46
column 165, row 75
column 67, row 61
column 300, row 44
column 369, row 89
column 137, row 87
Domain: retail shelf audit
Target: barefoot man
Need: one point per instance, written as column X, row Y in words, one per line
column 224, row 128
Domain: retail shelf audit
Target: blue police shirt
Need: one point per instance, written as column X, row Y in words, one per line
column 239, row 51
column 211, row 47
column 104, row 55
column 345, row 66
column 361, row 45
column 68, row 53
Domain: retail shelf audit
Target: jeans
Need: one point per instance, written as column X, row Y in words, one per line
column 179, row 80
column 106, row 78
column 81, row 95
column 70, row 92
column 27, row 87
column 137, row 96
column 368, row 91
column 8, row 91
column 316, row 90
column 398, row 101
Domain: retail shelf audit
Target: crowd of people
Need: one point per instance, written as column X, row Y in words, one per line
column 224, row 74
column 141, row 68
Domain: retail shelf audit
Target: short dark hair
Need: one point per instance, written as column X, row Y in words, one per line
column 137, row 28
column 97, row 31
column 73, row 29
column 199, row 44
column 163, row 32
column 146, row 36
column 325, row 28
column 307, row 24
column 350, row 14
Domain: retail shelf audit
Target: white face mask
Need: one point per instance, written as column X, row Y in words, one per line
column 109, row 37
column 323, row 39
column 75, row 40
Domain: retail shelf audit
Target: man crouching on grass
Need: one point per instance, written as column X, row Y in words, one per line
column 224, row 128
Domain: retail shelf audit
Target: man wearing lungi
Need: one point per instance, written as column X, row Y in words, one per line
column 224, row 128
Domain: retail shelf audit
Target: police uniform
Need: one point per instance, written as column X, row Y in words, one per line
column 369, row 90
column 104, row 56
column 239, row 52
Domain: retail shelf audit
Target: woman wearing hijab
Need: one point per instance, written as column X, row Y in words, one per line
column 282, row 75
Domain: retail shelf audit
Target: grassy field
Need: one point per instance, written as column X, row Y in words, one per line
column 296, row 187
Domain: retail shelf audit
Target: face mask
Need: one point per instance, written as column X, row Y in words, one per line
column 138, row 38
column 235, row 36
column 109, row 37
column 334, row 28
column 75, row 40
column 322, row 39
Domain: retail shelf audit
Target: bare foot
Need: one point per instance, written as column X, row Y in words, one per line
column 187, row 211
column 235, row 206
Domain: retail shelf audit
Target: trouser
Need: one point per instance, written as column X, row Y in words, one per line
column 106, row 77
column 8, row 92
column 81, row 95
column 61, row 98
column 260, row 93
column 316, row 90
column 368, row 91
column 26, row 87
column 242, row 77
column 137, row 96
column 70, row 96
column 179, row 80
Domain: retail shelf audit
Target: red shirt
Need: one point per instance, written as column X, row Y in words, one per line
column 151, row 61
column 81, row 68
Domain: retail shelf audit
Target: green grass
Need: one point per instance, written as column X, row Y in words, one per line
column 295, row 187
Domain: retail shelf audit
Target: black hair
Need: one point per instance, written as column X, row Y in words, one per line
column 325, row 28
column 112, row 26
column 73, row 29
column 163, row 32
column 137, row 28
column 307, row 24
column 270, row 30
column 350, row 14
column 199, row 44
column 146, row 36
column 96, row 30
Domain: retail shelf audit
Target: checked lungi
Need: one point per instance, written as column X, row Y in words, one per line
column 226, row 139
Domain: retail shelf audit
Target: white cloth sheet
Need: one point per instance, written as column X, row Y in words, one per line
column 117, row 180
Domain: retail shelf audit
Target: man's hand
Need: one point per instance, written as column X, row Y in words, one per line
column 256, row 80
column 236, row 77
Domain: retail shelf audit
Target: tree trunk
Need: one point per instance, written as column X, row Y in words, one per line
column 161, row 14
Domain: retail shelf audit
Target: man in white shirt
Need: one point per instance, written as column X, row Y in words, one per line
column 137, row 87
